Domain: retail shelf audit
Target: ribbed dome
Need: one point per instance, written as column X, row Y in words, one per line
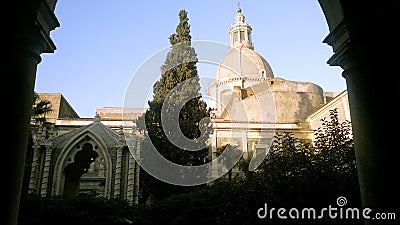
column 243, row 63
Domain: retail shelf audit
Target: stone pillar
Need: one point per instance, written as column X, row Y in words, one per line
column 363, row 45
column 118, row 171
column 25, row 35
column 33, row 182
column 118, row 163
column 137, row 173
column 244, row 144
column 19, row 68
column 46, row 172
column 131, row 179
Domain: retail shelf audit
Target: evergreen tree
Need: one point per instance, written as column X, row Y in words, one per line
column 40, row 108
column 178, row 70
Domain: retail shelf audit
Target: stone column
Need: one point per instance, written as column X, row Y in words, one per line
column 19, row 68
column 25, row 35
column 131, row 171
column 118, row 171
column 244, row 144
column 137, row 173
column 131, row 179
column 33, row 182
column 363, row 45
column 46, row 172
column 118, row 163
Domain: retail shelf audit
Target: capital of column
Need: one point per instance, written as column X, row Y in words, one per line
column 338, row 39
column 31, row 38
column 343, row 56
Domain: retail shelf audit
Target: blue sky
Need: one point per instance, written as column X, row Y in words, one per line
column 101, row 44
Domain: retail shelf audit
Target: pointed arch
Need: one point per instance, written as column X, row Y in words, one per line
column 65, row 158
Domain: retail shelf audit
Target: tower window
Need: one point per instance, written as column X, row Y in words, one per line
column 241, row 35
column 235, row 36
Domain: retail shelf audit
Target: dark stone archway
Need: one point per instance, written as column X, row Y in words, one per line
column 74, row 171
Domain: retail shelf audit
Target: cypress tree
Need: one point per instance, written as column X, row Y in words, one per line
column 178, row 70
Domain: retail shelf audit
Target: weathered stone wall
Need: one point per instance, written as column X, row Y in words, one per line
column 60, row 106
column 295, row 101
column 120, row 113
column 341, row 103
column 329, row 95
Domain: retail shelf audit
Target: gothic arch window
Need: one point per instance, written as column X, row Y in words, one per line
column 74, row 171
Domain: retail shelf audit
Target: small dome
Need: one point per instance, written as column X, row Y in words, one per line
column 245, row 63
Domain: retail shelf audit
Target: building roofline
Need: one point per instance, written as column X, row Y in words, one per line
column 327, row 105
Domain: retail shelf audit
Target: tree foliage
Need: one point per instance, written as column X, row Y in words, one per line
column 228, row 160
column 40, row 108
column 178, row 91
column 311, row 173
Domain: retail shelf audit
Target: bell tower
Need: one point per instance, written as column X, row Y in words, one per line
column 240, row 32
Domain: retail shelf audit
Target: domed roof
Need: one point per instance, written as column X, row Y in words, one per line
column 244, row 63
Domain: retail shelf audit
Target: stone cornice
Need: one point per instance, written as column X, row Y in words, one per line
column 48, row 22
column 338, row 38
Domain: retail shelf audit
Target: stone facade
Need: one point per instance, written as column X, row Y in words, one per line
column 89, row 155
column 81, row 156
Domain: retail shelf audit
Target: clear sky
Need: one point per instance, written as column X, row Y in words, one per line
column 100, row 44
